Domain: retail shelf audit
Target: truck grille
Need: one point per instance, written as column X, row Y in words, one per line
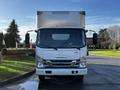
column 61, row 63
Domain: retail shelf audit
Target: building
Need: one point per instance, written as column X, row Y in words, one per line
column 90, row 42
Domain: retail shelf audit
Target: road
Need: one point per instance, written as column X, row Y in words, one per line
column 103, row 74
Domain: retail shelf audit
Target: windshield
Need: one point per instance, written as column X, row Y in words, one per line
column 61, row 38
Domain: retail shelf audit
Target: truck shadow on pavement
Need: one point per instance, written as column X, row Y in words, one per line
column 100, row 76
column 58, row 84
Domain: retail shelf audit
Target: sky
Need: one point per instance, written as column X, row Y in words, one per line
column 99, row 13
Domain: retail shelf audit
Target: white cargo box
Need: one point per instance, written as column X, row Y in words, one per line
column 53, row 19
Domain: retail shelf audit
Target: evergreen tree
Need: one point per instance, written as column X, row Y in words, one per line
column 12, row 35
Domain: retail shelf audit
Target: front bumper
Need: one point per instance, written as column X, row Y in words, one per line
column 70, row 71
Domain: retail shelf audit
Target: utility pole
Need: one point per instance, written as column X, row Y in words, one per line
column 31, row 44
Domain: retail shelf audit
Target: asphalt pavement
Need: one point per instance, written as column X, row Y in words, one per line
column 103, row 74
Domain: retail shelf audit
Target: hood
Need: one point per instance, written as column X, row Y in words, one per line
column 59, row 54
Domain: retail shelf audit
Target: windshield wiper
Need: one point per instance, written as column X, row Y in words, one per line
column 47, row 46
column 44, row 46
column 74, row 46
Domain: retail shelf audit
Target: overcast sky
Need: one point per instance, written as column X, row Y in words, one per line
column 100, row 13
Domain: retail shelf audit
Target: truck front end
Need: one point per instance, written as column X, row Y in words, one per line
column 61, row 52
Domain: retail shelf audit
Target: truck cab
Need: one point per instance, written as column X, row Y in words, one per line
column 61, row 48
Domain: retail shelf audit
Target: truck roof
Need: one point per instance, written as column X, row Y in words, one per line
column 60, row 27
column 52, row 19
column 81, row 12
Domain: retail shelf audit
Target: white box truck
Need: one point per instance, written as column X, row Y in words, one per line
column 61, row 48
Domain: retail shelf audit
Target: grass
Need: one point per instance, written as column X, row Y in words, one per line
column 17, row 66
column 112, row 53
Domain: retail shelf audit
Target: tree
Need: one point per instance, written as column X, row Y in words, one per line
column 103, row 34
column 114, row 33
column 7, row 40
column 12, row 35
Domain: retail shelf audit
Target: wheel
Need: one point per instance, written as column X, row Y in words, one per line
column 41, row 78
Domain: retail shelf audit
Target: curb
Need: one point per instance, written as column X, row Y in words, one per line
column 105, row 56
column 12, row 80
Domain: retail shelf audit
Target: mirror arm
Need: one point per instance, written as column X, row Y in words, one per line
column 86, row 31
column 36, row 31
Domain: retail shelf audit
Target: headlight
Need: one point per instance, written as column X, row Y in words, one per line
column 39, row 62
column 83, row 62
column 40, row 65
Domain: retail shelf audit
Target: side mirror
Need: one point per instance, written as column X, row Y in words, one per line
column 1, row 40
column 27, row 39
column 95, row 38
